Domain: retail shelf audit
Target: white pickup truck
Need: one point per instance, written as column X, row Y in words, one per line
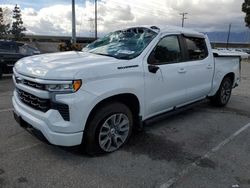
column 97, row 96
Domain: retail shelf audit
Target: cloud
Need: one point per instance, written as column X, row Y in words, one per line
column 29, row 12
column 113, row 12
column 203, row 15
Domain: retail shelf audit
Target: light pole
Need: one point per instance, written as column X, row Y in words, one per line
column 228, row 35
column 183, row 18
column 73, row 23
column 95, row 19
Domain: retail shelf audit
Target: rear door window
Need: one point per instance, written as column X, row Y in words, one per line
column 196, row 48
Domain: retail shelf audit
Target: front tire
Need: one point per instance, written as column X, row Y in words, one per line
column 223, row 95
column 109, row 129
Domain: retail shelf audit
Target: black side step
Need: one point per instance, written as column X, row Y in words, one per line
column 175, row 111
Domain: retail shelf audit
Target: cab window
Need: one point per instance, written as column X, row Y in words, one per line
column 166, row 51
column 196, row 48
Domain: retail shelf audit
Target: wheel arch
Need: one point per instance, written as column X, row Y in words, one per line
column 218, row 80
column 129, row 99
column 231, row 75
column 218, row 99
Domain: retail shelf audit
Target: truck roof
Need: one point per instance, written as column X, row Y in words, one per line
column 171, row 29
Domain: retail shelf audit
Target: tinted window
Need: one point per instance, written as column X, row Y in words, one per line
column 196, row 47
column 167, row 51
column 8, row 47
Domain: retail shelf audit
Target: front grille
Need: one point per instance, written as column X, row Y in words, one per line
column 33, row 101
column 43, row 104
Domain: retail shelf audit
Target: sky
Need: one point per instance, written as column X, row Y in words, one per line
column 53, row 17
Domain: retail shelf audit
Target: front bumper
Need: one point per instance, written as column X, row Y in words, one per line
column 38, row 120
column 29, row 99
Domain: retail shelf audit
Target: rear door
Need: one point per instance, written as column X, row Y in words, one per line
column 165, row 85
column 199, row 68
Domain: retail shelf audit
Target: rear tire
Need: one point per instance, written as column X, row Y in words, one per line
column 223, row 95
column 109, row 129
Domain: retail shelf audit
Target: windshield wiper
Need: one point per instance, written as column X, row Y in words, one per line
column 105, row 55
column 109, row 55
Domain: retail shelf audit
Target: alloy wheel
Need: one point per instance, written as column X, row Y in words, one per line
column 114, row 132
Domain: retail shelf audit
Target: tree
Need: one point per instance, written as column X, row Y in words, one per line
column 17, row 25
column 246, row 9
column 4, row 27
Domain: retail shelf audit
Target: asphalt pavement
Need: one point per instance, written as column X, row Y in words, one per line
column 205, row 147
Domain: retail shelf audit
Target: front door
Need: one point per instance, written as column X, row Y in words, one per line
column 165, row 76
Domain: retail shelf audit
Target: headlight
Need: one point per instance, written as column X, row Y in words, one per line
column 65, row 87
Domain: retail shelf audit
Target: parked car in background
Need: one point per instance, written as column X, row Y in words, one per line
column 247, row 50
column 28, row 50
column 11, row 52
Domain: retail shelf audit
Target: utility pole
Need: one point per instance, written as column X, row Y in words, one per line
column 228, row 35
column 92, row 26
column 95, row 19
column 183, row 18
column 73, row 23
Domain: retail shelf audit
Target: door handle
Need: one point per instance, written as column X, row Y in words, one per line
column 182, row 70
column 153, row 68
column 209, row 67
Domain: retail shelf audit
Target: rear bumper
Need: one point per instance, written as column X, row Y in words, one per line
column 237, row 82
column 55, row 138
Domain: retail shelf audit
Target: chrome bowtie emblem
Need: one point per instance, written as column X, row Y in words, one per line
column 19, row 80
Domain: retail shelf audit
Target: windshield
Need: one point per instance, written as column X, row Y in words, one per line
column 123, row 44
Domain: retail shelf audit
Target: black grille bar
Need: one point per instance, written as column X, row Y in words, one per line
column 34, row 84
column 43, row 104
column 33, row 101
column 30, row 83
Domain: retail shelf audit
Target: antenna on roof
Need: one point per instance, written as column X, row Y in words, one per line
column 155, row 28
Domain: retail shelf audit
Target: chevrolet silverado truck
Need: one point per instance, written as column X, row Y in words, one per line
column 97, row 96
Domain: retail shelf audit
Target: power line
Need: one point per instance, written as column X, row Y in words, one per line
column 183, row 18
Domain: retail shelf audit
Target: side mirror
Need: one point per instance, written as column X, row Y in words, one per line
column 151, row 59
column 153, row 68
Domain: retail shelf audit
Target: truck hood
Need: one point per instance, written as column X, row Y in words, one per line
column 62, row 65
